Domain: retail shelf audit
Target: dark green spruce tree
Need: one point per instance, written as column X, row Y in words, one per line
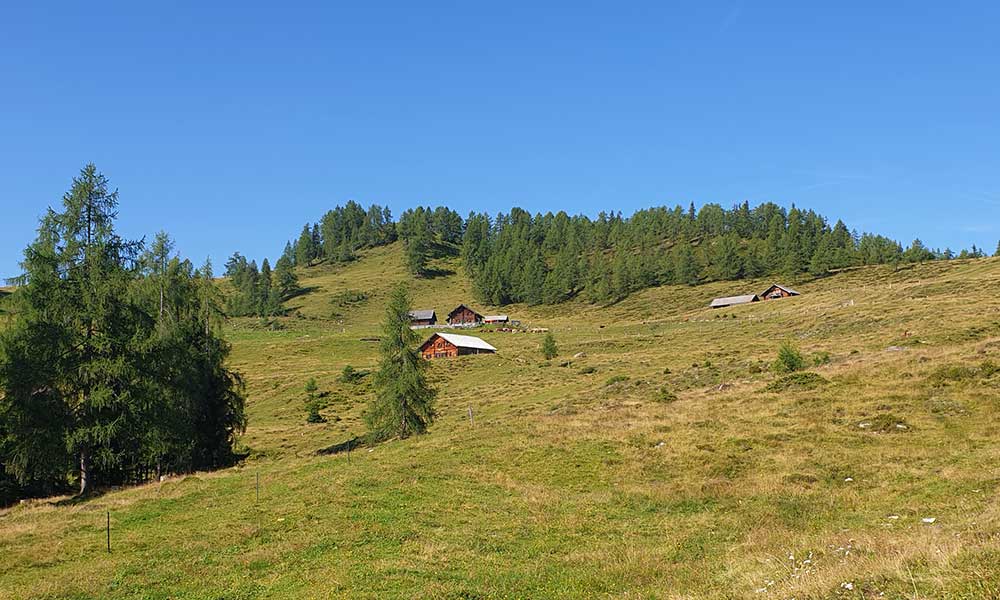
column 404, row 400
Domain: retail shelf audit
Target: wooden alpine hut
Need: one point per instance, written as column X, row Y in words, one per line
column 464, row 316
column 422, row 318
column 494, row 319
column 734, row 300
column 449, row 345
column 778, row 291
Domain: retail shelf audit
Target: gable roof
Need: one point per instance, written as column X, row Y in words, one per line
column 460, row 307
column 781, row 287
column 462, row 341
column 731, row 300
column 422, row 315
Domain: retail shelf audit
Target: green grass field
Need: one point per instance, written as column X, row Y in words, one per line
column 656, row 457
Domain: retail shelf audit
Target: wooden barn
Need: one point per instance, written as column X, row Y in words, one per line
column 422, row 318
column 734, row 300
column 463, row 315
column 449, row 345
column 495, row 319
column 778, row 291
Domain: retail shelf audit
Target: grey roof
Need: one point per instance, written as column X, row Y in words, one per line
column 495, row 318
column 466, row 341
column 781, row 287
column 731, row 300
column 421, row 315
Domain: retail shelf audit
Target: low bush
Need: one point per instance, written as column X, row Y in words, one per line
column 820, row 358
column 665, row 395
column 797, row 381
column 351, row 375
column 789, row 359
column 886, row 423
column 962, row 373
column 615, row 379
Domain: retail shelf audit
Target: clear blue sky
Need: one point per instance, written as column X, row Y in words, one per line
column 230, row 125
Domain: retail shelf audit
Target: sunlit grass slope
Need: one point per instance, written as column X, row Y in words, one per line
column 656, row 457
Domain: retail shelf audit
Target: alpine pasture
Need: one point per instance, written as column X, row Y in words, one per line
column 657, row 456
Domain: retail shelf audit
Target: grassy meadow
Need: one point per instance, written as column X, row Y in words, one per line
column 658, row 456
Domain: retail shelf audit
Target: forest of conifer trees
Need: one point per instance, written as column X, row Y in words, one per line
column 549, row 258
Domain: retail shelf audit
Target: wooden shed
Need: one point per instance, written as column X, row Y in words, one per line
column 492, row 319
column 422, row 318
column 778, row 291
column 463, row 315
column 734, row 300
column 449, row 345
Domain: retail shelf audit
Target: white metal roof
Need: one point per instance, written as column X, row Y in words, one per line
column 466, row 341
column 495, row 318
column 731, row 300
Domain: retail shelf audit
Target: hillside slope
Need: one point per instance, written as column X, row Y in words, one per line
column 664, row 461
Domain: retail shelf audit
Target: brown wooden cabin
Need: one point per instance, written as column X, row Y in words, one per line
column 463, row 315
column 422, row 318
column 449, row 345
column 495, row 319
column 778, row 291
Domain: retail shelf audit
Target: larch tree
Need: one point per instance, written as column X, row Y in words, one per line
column 79, row 344
column 404, row 400
column 94, row 376
column 549, row 348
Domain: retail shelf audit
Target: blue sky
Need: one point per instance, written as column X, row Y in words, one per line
column 231, row 124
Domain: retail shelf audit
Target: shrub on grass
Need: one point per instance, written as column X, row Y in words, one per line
column 796, row 381
column 887, row 423
column 789, row 359
column 820, row 358
column 312, row 402
column 988, row 368
column 665, row 396
column 588, row 370
column 350, row 375
column 615, row 379
column 549, row 348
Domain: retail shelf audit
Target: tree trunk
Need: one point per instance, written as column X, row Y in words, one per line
column 86, row 484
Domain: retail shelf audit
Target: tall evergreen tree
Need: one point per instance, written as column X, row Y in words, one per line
column 726, row 261
column 305, row 252
column 90, row 382
column 404, row 400
column 418, row 250
column 685, row 265
column 286, row 281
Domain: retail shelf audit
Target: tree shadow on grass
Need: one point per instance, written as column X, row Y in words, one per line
column 302, row 291
column 435, row 273
column 93, row 495
column 361, row 441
